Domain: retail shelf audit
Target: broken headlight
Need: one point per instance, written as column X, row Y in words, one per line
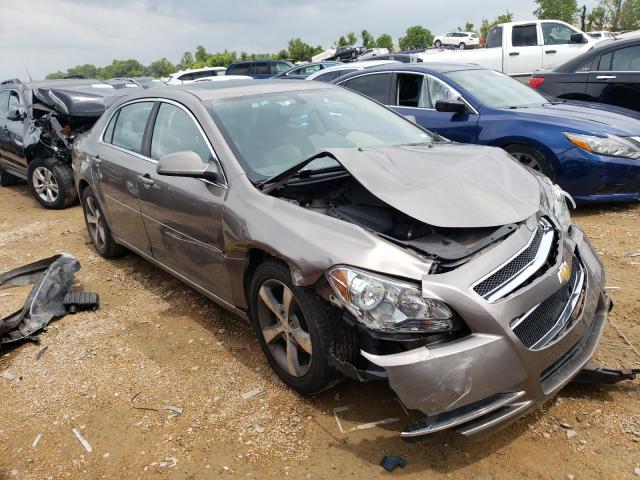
column 554, row 200
column 389, row 305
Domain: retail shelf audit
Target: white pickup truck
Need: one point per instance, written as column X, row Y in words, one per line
column 520, row 48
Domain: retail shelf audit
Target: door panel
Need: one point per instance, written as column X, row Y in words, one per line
column 557, row 44
column 12, row 133
column 617, row 81
column 523, row 54
column 118, row 167
column 184, row 215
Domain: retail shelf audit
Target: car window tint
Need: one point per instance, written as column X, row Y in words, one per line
column 626, row 59
column 262, row 68
column 439, row 91
column 494, row 38
column 186, row 77
column 295, row 71
column 308, row 70
column 281, row 67
column 585, row 67
column 374, row 86
column 240, row 69
column 108, row 132
column 409, row 91
column 556, row 34
column 605, row 62
column 129, row 128
column 14, row 101
column 524, row 36
column 4, row 102
column 175, row 131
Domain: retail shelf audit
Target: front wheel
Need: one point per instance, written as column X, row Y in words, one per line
column 51, row 183
column 297, row 330
column 438, row 44
column 532, row 158
column 462, row 46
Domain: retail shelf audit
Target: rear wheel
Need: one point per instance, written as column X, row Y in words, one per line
column 297, row 330
column 51, row 183
column 462, row 46
column 438, row 44
column 532, row 158
column 99, row 231
column 6, row 179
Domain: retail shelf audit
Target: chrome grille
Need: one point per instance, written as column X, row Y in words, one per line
column 548, row 320
column 521, row 267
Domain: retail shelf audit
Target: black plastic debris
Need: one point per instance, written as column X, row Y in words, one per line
column 391, row 462
column 50, row 297
column 605, row 375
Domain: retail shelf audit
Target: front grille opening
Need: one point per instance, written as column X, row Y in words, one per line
column 536, row 324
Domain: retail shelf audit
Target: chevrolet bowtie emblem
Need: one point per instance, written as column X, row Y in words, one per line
column 564, row 273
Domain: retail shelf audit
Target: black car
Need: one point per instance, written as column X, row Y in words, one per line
column 609, row 73
column 259, row 68
column 38, row 123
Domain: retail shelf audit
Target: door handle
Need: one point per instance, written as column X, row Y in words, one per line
column 550, row 51
column 514, row 54
column 606, row 77
column 146, row 180
column 96, row 160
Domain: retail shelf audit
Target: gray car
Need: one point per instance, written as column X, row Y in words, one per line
column 357, row 243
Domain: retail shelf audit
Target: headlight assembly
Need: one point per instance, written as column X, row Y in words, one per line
column 389, row 305
column 554, row 200
column 611, row 146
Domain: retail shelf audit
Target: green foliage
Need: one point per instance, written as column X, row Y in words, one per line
column 385, row 41
column 597, row 18
column 486, row 25
column 186, row 61
column 416, row 37
column 299, row 51
column 367, row 39
column 565, row 10
column 160, row 68
column 468, row 27
column 351, row 38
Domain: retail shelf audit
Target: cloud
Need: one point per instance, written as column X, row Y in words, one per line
column 49, row 35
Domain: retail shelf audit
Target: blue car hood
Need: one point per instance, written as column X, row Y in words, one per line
column 601, row 120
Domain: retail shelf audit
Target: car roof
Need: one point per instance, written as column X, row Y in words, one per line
column 571, row 65
column 429, row 67
column 64, row 82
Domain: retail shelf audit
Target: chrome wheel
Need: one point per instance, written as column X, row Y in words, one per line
column 284, row 328
column 95, row 222
column 45, row 184
column 527, row 160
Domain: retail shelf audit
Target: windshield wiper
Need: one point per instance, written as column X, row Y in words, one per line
column 275, row 182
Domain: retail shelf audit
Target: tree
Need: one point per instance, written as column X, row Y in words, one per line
column 122, row 68
column 367, row 39
column 630, row 15
column 486, row 25
column 160, row 68
column 281, row 55
column 468, row 27
column 385, row 41
column 186, row 61
column 351, row 38
column 416, row 37
column 597, row 19
column 299, row 51
column 201, row 56
column 565, row 10
column 87, row 70
column 342, row 41
column 56, row 75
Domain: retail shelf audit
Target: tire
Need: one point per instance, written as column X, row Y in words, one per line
column 102, row 240
column 51, row 183
column 6, row 179
column 462, row 46
column 438, row 44
column 532, row 158
column 326, row 333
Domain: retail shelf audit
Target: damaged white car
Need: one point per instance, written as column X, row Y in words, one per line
column 356, row 242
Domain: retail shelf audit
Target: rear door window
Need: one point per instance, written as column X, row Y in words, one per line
column 129, row 128
column 494, row 37
column 4, row 103
column 262, row 68
column 14, row 101
column 622, row 60
column 279, row 67
column 374, row 86
column 175, row 131
column 328, row 76
column 524, row 36
column 240, row 69
column 409, row 90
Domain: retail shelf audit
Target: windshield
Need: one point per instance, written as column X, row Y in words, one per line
column 497, row 90
column 270, row 133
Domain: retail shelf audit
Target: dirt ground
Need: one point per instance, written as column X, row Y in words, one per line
column 158, row 341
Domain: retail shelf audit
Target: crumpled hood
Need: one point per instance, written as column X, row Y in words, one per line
column 447, row 185
column 601, row 120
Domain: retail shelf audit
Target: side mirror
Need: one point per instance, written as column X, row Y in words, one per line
column 187, row 164
column 15, row 115
column 453, row 107
column 577, row 38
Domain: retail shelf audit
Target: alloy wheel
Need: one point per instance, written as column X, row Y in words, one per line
column 95, row 222
column 45, row 184
column 527, row 160
column 284, row 328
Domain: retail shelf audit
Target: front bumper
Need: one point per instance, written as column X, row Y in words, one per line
column 592, row 178
column 489, row 378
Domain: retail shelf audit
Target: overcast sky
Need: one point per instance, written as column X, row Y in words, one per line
column 49, row 35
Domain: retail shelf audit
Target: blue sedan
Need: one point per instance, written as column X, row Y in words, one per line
column 592, row 151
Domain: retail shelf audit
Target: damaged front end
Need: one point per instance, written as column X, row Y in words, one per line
column 52, row 296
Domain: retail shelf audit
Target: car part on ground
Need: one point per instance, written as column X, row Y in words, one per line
column 39, row 122
column 592, row 153
column 51, row 297
column 356, row 242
